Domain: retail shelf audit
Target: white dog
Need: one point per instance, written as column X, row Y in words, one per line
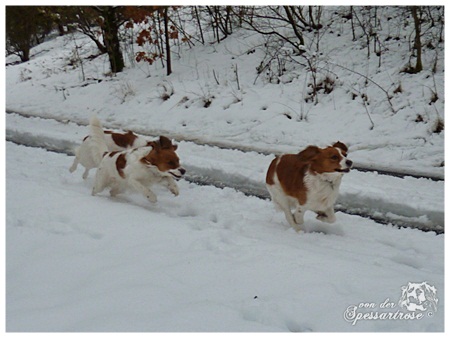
column 137, row 168
column 114, row 142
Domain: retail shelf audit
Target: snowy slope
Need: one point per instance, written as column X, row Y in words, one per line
column 208, row 260
column 256, row 114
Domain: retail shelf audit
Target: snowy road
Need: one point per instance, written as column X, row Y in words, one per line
column 407, row 202
column 370, row 167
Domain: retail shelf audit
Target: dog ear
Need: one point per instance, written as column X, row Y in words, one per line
column 341, row 146
column 162, row 143
column 309, row 153
column 165, row 143
column 155, row 145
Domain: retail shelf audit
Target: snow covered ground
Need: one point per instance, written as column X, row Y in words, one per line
column 214, row 259
column 208, row 260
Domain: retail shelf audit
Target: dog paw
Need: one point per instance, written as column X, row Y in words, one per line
column 299, row 218
column 298, row 228
column 174, row 190
column 326, row 218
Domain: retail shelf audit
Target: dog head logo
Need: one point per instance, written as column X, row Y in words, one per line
column 418, row 297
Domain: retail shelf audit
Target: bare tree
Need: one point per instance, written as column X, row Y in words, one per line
column 85, row 20
column 270, row 20
column 25, row 27
column 416, row 12
column 221, row 20
column 166, row 30
column 110, row 20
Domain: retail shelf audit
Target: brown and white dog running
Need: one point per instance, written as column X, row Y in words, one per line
column 308, row 180
column 135, row 169
column 114, row 142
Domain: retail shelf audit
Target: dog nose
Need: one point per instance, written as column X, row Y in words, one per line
column 182, row 171
column 349, row 163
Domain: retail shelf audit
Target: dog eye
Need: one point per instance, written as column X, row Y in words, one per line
column 335, row 157
column 171, row 163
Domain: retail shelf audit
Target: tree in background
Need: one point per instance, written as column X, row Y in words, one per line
column 155, row 31
column 101, row 24
column 287, row 23
column 416, row 12
column 26, row 26
column 221, row 20
column 110, row 19
column 288, row 31
column 84, row 19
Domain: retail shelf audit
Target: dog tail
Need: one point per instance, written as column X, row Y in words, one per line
column 97, row 140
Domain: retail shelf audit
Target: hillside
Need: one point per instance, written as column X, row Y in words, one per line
column 216, row 94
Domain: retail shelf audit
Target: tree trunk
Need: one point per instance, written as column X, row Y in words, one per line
column 293, row 23
column 24, row 54
column 110, row 29
column 199, row 24
column 417, row 42
column 166, row 29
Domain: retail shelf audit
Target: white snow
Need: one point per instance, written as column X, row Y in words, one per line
column 194, row 262
column 214, row 259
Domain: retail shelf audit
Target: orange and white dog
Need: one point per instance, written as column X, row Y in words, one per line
column 308, row 180
column 137, row 168
column 114, row 142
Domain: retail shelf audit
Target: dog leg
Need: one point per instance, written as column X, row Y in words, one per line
column 282, row 203
column 292, row 220
column 100, row 182
column 170, row 183
column 74, row 165
column 299, row 216
column 86, row 173
column 115, row 190
column 327, row 216
column 150, row 195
